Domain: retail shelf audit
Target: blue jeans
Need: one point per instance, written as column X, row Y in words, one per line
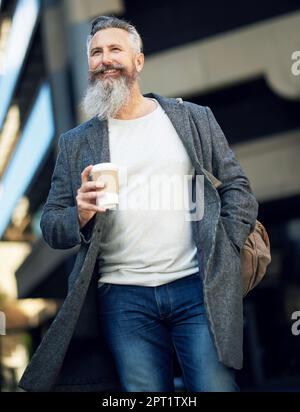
column 144, row 325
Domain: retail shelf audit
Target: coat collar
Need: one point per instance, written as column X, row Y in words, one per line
column 178, row 114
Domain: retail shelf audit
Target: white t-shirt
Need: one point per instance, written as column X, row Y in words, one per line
column 148, row 241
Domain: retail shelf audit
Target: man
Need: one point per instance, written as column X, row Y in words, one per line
column 147, row 283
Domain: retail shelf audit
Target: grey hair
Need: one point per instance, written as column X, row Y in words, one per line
column 111, row 22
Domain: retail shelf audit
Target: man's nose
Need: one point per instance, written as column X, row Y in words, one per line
column 106, row 58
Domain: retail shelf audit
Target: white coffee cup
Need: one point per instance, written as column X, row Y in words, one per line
column 107, row 173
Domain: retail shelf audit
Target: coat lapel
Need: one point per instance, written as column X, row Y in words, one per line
column 97, row 137
column 98, row 140
column 179, row 117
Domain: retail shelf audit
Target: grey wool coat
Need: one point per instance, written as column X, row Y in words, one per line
column 73, row 355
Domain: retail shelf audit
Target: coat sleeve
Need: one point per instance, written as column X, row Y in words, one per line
column 239, row 207
column 59, row 221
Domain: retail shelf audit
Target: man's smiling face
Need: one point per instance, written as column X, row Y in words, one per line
column 111, row 55
column 114, row 65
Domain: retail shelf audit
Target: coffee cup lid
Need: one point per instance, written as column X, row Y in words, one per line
column 104, row 166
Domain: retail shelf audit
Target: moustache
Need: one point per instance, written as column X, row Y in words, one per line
column 102, row 69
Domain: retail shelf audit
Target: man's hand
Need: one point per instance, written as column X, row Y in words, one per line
column 86, row 197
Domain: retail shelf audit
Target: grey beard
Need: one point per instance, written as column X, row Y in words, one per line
column 105, row 100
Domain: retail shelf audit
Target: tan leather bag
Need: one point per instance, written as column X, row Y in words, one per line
column 255, row 257
column 255, row 254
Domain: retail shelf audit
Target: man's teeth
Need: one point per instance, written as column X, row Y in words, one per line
column 110, row 71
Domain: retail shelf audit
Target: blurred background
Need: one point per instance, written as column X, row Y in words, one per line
column 242, row 59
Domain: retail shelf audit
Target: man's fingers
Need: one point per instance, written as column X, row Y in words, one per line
column 90, row 186
column 85, row 174
column 88, row 207
column 88, row 195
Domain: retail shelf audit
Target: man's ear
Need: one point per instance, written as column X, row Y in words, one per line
column 139, row 61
